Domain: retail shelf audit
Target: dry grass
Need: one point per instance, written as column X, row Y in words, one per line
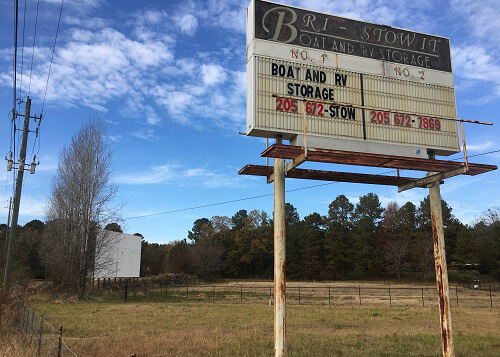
column 15, row 345
column 203, row 329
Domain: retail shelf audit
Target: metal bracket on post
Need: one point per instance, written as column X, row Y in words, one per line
column 466, row 159
column 270, row 178
column 430, row 179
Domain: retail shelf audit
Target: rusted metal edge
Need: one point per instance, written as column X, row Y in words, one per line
column 424, row 182
column 295, row 162
column 323, row 175
column 374, row 160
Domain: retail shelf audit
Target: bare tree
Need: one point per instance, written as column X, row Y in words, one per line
column 395, row 253
column 80, row 205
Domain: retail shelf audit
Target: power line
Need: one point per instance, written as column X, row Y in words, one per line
column 16, row 21
column 270, row 194
column 238, row 200
column 52, row 57
column 33, row 51
column 22, row 53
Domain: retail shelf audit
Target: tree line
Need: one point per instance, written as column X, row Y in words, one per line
column 363, row 240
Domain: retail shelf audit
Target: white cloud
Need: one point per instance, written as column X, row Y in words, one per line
column 134, row 62
column 155, row 175
column 485, row 146
column 213, row 74
column 474, row 63
column 481, row 15
column 145, row 134
column 187, row 23
column 182, row 176
column 115, row 138
column 30, row 208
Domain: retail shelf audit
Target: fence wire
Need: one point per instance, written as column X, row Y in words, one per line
column 45, row 339
column 139, row 290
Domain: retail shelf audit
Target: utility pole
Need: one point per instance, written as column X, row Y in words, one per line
column 17, row 198
column 8, row 223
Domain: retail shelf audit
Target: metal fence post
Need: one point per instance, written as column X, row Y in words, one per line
column 299, row 294
column 491, row 299
column 59, row 347
column 456, row 292
column 166, row 291
column 213, row 294
column 145, row 289
column 126, row 289
column 390, row 296
column 187, row 291
column 423, row 303
column 359, row 293
column 241, row 294
column 329, row 296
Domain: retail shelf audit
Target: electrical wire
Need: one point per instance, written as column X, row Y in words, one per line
column 33, row 51
column 239, row 199
column 52, row 57
column 270, row 194
column 22, row 53
column 16, row 21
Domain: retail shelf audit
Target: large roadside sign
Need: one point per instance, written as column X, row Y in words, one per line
column 362, row 86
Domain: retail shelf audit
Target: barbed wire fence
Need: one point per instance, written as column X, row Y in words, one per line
column 46, row 340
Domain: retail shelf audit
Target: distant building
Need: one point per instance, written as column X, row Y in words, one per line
column 123, row 257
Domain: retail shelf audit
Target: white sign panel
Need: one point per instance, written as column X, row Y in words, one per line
column 344, row 89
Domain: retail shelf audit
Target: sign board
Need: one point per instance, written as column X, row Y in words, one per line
column 372, row 85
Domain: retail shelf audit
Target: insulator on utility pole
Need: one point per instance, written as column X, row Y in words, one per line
column 10, row 162
column 33, row 166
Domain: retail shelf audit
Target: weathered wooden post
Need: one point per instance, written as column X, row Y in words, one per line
column 441, row 267
column 59, row 347
column 279, row 259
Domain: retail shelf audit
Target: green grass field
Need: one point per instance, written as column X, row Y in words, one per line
column 204, row 329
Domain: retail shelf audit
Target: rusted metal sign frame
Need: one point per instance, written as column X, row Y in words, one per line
column 432, row 181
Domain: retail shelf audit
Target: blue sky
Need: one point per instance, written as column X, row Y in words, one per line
column 169, row 79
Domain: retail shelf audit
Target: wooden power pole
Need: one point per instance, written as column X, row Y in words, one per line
column 17, row 198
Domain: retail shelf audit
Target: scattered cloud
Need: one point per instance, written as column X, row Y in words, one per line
column 144, row 134
column 481, row 17
column 179, row 175
column 115, row 138
column 29, row 209
column 187, row 23
column 474, row 63
column 482, row 147
column 213, row 74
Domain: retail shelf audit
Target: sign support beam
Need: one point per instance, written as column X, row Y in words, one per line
column 441, row 268
column 279, row 259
